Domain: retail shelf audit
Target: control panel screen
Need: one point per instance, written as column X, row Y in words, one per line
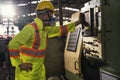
column 73, row 40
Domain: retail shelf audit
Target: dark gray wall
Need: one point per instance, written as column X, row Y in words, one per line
column 111, row 32
column 54, row 61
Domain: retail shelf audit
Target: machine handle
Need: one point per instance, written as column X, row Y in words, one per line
column 75, row 65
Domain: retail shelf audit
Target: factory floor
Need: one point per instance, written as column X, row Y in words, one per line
column 4, row 75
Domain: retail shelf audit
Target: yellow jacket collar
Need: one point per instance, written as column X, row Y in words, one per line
column 39, row 23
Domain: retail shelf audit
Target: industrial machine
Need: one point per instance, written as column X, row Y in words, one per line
column 92, row 30
column 99, row 43
column 72, row 53
column 100, row 37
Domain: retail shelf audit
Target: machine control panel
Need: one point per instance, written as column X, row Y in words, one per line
column 92, row 47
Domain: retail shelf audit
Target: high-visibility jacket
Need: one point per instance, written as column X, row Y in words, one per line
column 29, row 46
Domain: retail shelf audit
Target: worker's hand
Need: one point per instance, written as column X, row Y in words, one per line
column 25, row 67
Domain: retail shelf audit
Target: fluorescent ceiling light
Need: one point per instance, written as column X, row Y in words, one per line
column 22, row 4
column 68, row 8
column 71, row 9
column 32, row 14
column 8, row 11
column 34, row 2
column 25, row 4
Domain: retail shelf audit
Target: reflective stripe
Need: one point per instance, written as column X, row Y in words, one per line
column 14, row 53
column 33, row 53
column 36, row 42
column 64, row 30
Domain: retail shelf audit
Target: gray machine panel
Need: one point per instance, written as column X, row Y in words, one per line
column 108, row 73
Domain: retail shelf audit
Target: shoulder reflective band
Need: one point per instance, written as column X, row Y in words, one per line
column 64, row 30
column 36, row 42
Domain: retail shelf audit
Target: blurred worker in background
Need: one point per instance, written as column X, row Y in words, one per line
column 2, row 57
column 27, row 48
column 3, row 47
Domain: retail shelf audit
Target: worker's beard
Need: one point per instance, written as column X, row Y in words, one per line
column 46, row 23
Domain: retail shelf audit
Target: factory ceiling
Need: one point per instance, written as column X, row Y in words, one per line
column 26, row 7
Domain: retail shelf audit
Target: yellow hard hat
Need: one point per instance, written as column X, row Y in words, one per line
column 45, row 5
